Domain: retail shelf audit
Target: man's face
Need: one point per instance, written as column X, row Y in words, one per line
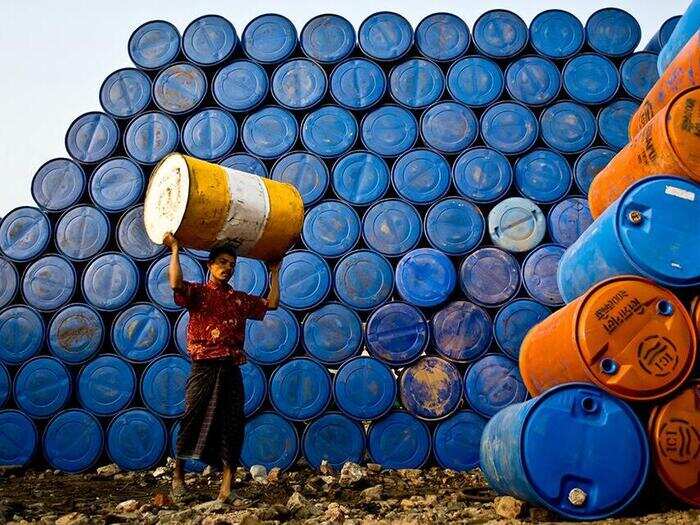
column 222, row 267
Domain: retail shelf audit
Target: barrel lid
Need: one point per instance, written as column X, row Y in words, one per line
column 399, row 441
column 132, row 237
column 42, row 386
column 75, row 334
column 421, row 176
column 462, row 331
column 364, row 388
column 299, row 84
column 9, row 282
column 663, row 35
column 391, row 227
column 425, row 277
column 136, row 439
column 116, row 184
column 397, row 333
column 533, row 80
column 591, row 79
column 125, row 93
column 166, row 197
column 684, row 115
column 305, row 280
column 589, row 164
column 24, row 233
column 613, row 32
column 92, row 137
column 449, row 127
column 209, row 40
column 110, row 281
column 240, row 85
column 48, row 283
column 500, row 34
column 154, row 44
column 475, row 81
column 249, row 276
column 269, row 38
column 157, row 285
column 328, row 38
column 150, row 137
column 334, row 438
column 431, row 389
column 21, row 334
column 209, row 134
column 246, row 163
column 331, row 228
column 106, row 385
column 179, row 88
column 329, row 131
column 509, row 127
column 360, row 178
column 540, row 274
column 543, row 175
column 270, row 441
column 269, row 132
column 639, row 73
column 82, row 232
column 357, row 83
column 363, row 279
column 556, row 34
column 163, row 385
column 482, row 175
column 489, row 276
column 514, row 320
column 190, row 465
column 516, row 224
column 581, row 417
column 416, row 83
column 300, row 389
column 457, row 441
column 333, row 333
column 442, row 37
column 17, row 451
column 385, row 36
column 454, row 226
column 5, row 385
column 389, row 130
column 254, row 388
column 73, row 441
column 273, row 339
column 141, row 332
column 568, row 127
column 568, row 219
column 493, row 383
column 613, row 122
column 58, row 184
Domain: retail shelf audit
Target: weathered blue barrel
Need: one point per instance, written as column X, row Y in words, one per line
column 132, row 238
column 42, row 387
column 364, row 388
column 425, row 277
column 269, row 132
column 306, row 172
column 462, row 331
column 327, row 38
column 269, row 39
column 329, row 131
column 299, row 84
column 360, row 178
column 116, row 184
column 589, row 164
column 154, row 44
column 482, row 175
column 92, row 137
column 540, row 274
column 391, row 227
column 157, row 285
column 449, row 127
column 456, row 441
column 125, row 93
column 180, row 88
column 334, row 438
column 190, row 465
column 489, row 276
column 454, row 226
column 82, row 232
column 48, row 283
column 150, row 137
column 357, row 83
column 270, row 441
column 25, row 233
column 442, row 37
column 9, row 282
column 431, row 389
column 140, row 333
column 363, row 279
column 240, row 86
column 421, row 176
column 246, row 163
column 416, row 83
column 209, row 40
column 591, row 79
column 612, row 32
column 73, row 441
column 684, row 30
column 568, row 219
column 658, row 41
column 639, row 74
column 492, row 383
column 5, row 385
column 613, row 122
column 254, row 388
column 541, row 451
column 533, row 80
column 389, row 130
column 475, row 81
column 568, row 127
column 21, row 334
column 543, row 176
column 513, row 321
column 110, row 281
column 331, row 228
column 76, row 333
column 647, row 232
column 500, row 34
column 163, row 385
column 180, row 333
column 106, row 385
column 385, row 36
column 305, row 280
column 300, row 389
column 13, row 451
column 509, row 127
column 249, row 276
column 399, row 441
column 209, row 134
column 333, row 334
column 136, row 439
column 556, row 34
column 397, row 333
column 58, row 184
column 516, row 224
column 273, row 339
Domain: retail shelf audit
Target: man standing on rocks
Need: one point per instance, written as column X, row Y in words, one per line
column 212, row 426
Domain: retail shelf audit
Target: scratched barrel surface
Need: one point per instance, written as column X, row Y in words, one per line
column 431, row 389
column 22, row 332
column 327, row 38
column 75, row 334
column 269, row 341
column 110, row 281
column 58, row 184
column 516, row 224
column 154, row 44
column 492, row 383
column 684, row 30
column 270, row 441
column 399, row 441
column 269, row 38
column 556, row 34
column 500, row 34
column 360, row 178
column 140, row 332
column 163, row 385
column 333, row 333
column 136, row 439
column 24, row 234
column 42, row 387
column 425, row 277
column 568, row 219
column 300, row 389
column 116, row 184
column 385, row 36
column 397, row 333
column 209, row 40
column 391, row 227
column 442, row 37
column 514, row 320
column 334, row 438
column 82, row 232
column 363, row 279
column 489, row 276
column 13, row 451
column 462, row 331
column 49, row 283
column 456, row 441
column 364, row 388
column 254, row 388
column 105, row 385
column 612, row 32
column 73, row 441
column 125, row 93
column 9, row 282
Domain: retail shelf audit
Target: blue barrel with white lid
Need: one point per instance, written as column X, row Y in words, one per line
column 397, row 333
column 568, row 219
column 110, row 281
column 543, row 176
column 140, row 333
column 154, row 44
column 613, row 32
column 591, row 79
column 333, row 334
column 48, row 283
column 516, row 224
column 254, row 388
column 333, row 438
column 540, row 451
column 360, row 178
column 180, row 333
column 425, row 277
column 363, row 279
column 389, row 130
column 209, row 134
column 270, row 441
column 9, row 282
column 513, row 321
column 76, row 333
column 13, row 451
column 509, row 127
column 533, row 80
column 540, row 274
column 82, row 232
column 246, row 163
column 158, row 287
column 449, row 127
column 492, row 383
column 305, row 280
column 132, row 238
column 249, row 276
column 329, row 131
column 454, row 226
column 331, row 228
column 475, row 81
column 58, row 184
column 556, row 34
column 442, row 37
column 431, row 389
column 25, row 233
column 116, row 184
column 385, row 36
column 589, row 164
column 357, row 83
column 125, row 93
column 209, row 40
column 240, row 86
column 299, row 84
column 421, row 176
column 271, row 340
column 163, row 385
column 136, row 439
column 639, row 74
column 399, row 441
column 106, row 385
column 269, row 132
column 391, row 227
column 416, row 83
column 190, row 465
column 658, row 41
column 456, row 441
column 568, row 127
column 73, row 441
column 327, row 38
column 300, row 389
column 500, row 34
column 179, row 88
column 364, row 388
column 5, row 385
column 150, row 137
column 462, row 331
column 92, row 137
column 42, row 387
column 269, row 39
column 21, row 334
column 482, row 175
column 613, row 122
column 489, row 277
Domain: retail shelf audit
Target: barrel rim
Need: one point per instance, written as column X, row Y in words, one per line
column 91, row 192
column 548, row 151
column 112, row 121
column 54, row 317
column 140, row 411
column 459, row 21
column 572, row 17
column 37, row 315
column 200, row 99
column 15, row 272
column 149, row 22
column 149, row 204
column 138, row 71
column 421, row 423
column 336, row 16
column 297, row 359
column 623, row 72
column 80, row 374
column 64, row 214
column 460, row 199
column 665, row 111
column 402, row 20
column 287, row 54
column 83, row 179
column 372, row 113
column 375, row 361
column 57, row 416
column 236, row 41
column 132, row 265
column 351, row 312
column 440, row 424
column 418, row 58
column 468, row 378
column 319, row 96
column 333, row 413
column 555, row 206
column 472, row 199
column 601, row 111
column 69, row 377
column 490, row 334
column 435, row 149
column 44, row 245
column 290, row 149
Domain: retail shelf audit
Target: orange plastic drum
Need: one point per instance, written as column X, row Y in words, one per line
column 695, row 309
column 629, row 336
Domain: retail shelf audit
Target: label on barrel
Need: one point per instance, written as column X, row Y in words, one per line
column 679, row 441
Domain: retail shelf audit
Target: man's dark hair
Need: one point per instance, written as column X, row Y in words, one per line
column 220, row 250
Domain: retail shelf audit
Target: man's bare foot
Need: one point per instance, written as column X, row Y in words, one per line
column 178, row 488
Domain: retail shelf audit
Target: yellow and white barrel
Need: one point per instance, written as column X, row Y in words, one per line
column 205, row 205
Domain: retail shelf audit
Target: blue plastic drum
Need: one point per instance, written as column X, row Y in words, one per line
column 163, row 385
column 13, row 451
column 305, row 280
column 516, row 225
column 269, row 132
column 332, row 334
column 299, row 84
column 364, row 388
column 82, row 232
column 490, row 277
column 639, row 74
column 132, row 238
column 110, row 281
column 76, row 333
column 180, row 88
column 271, row 340
column 9, row 282
column 270, row 441
column 5, row 385
column 514, row 320
column 42, row 387
column 493, row 383
column 269, row 39
column 425, row 277
column 106, row 385
column 454, row 226
column 449, row 127
column 249, row 276
column 399, row 441
column 613, row 122
column 240, row 86
column 543, row 176
column 556, row 34
column 24, row 234
column 462, row 331
column 416, row 83
column 92, row 137
column 613, row 32
column 246, row 163
column 360, row 178
column 391, row 227
column 500, row 34
column 190, row 465
column 658, row 41
column 125, row 93
column 363, row 279
column 48, row 283
column 150, row 137
column 331, row 229
column 540, row 274
column 209, row 40
column 140, row 333
column 421, row 176
column 58, row 184
column 475, row 81
column 389, row 130
column 568, row 127
column 157, row 286
column 568, row 220
column 334, row 438
column 116, row 184
column 136, row 439
column 385, row 36
column 209, row 134
column 482, row 175
column 329, row 131
column 154, row 44
column 21, row 334
column 180, row 333
column 300, row 389
column 456, row 441
column 442, row 37
column 357, row 83
column 397, row 333
column 306, row 172
column 327, row 38
column 589, row 164
column 73, row 441
column 254, row 388
column 509, row 127
column 431, row 389
column 533, row 80
column 591, row 79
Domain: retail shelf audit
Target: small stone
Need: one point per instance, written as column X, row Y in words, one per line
column 108, row 470
column 258, row 473
column 372, row 493
column 162, row 500
column 374, row 467
column 208, row 471
column 73, row 518
column 351, row 473
column 274, row 475
column 508, row 507
column 415, row 502
column 160, row 472
column 56, row 472
column 335, row 512
column 410, row 473
column 249, row 519
column 328, row 480
column 130, row 505
column 211, row 506
column 325, row 468
column 297, row 502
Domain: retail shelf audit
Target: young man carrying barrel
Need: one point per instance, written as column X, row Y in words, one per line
column 212, row 427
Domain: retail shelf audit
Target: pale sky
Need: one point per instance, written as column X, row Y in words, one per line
column 55, row 55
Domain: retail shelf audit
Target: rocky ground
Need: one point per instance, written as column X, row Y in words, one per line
column 357, row 495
